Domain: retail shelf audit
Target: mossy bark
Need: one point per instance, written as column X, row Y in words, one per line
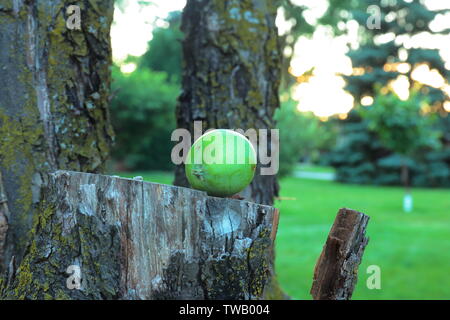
column 137, row 240
column 54, row 92
column 231, row 74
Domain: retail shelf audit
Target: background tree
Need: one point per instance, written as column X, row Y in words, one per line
column 232, row 73
column 384, row 54
column 402, row 127
column 378, row 58
column 54, row 94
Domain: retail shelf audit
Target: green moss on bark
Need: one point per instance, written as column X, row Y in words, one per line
column 53, row 100
column 17, row 138
column 55, row 246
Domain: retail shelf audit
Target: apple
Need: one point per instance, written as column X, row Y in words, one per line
column 221, row 162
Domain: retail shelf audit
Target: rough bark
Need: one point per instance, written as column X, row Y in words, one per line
column 139, row 240
column 231, row 74
column 4, row 212
column 54, row 91
column 336, row 271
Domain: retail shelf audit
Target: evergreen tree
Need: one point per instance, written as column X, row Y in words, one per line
column 385, row 53
column 384, row 47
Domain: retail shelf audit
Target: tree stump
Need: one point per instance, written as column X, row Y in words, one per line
column 103, row 237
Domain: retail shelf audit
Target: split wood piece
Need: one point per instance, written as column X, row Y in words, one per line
column 336, row 271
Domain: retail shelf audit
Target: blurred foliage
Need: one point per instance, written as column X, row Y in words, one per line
column 374, row 141
column 401, row 125
column 399, row 21
column 356, row 152
column 302, row 136
column 143, row 107
column 122, row 4
column 164, row 53
column 143, row 116
column 294, row 14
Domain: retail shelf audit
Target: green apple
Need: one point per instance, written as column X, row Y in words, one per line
column 221, row 162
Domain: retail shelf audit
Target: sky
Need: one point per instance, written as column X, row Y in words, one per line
column 132, row 29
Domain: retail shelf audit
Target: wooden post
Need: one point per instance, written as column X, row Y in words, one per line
column 103, row 237
column 336, row 271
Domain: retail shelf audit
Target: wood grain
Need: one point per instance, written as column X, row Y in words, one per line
column 336, row 271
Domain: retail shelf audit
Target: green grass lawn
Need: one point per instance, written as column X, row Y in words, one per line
column 412, row 249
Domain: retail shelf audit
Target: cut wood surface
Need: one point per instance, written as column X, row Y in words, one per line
column 138, row 240
column 336, row 271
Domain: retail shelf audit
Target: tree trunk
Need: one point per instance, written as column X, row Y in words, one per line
column 231, row 74
column 4, row 212
column 336, row 272
column 405, row 175
column 131, row 239
column 54, row 92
